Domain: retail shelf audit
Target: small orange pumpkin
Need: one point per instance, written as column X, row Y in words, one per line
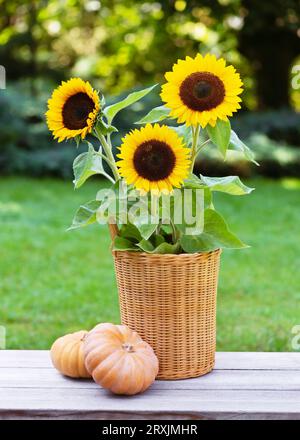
column 119, row 360
column 67, row 355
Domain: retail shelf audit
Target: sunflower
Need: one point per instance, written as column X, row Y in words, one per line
column 153, row 158
column 72, row 109
column 201, row 90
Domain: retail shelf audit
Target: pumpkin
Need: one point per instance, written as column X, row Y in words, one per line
column 67, row 354
column 119, row 360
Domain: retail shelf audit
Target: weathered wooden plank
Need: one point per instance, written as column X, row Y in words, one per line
column 194, row 404
column 243, row 386
column 258, row 361
column 25, row 358
column 144, row 415
column 224, row 360
column 216, row 380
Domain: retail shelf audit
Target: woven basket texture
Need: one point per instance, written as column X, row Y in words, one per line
column 170, row 300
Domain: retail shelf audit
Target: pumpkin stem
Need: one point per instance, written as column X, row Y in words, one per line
column 128, row 347
column 83, row 337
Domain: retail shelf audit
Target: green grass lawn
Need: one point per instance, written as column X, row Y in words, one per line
column 53, row 282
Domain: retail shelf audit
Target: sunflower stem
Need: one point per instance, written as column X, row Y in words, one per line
column 110, row 178
column 108, row 151
column 201, row 147
column 104, row 157
column 155, row 206
column 157, row 230
column 174, row 232
column 195, row 134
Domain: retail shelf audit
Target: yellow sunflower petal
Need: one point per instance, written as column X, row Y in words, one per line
column 201, row 90
column 154, row 159
column 72, row 109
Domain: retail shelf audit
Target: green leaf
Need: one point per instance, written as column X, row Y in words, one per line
column 130, row 232
column 155, row 115
column 77, row 140
column 110, row 210
column 104, row 128
column 93, row 210
column 146, row 246
column 167, row 248
column 82, row 166
column 189, row 215
column 142, row 219
column 208, row 199
column 220, row 135
column 86, row 165
column 193, row 182
column 238, row 145
column 215, row 235
column 122, row 244
column 102, row 100
column 163, row 248
column 145, row 229
column 111, row 111
column 158, row 239
column 166, row 229
column 185, row 132
column 229, row 185
column 85, row 215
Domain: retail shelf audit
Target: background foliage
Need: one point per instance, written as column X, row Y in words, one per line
column 126, row 45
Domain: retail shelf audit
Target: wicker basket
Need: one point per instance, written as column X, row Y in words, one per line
column 170, row 300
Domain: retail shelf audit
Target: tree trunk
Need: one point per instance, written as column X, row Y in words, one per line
column 270, row 44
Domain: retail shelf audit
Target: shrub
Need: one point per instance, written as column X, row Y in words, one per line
column 26, row 145
column 28, row 148
column 281, row 125
column 276, row 160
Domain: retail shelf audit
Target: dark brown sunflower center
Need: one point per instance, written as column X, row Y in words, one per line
column 202, row 91
column 154, row 160
column 76, row 111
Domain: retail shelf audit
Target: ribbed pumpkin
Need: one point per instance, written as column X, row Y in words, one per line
column 67, row 355
column 119, row 360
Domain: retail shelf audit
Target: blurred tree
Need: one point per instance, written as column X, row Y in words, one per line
column 270, row 39
column 120, row 44
column 124, row 44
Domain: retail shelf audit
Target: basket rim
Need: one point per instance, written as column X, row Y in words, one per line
column 182, row 255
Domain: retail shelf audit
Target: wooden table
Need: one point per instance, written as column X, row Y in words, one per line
column 242, row 386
